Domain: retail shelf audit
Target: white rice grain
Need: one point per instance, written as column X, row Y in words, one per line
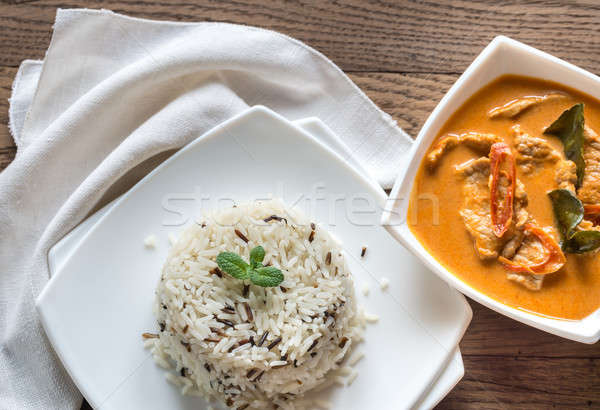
column 150, row 241
column 352, row 377
column 322, row 404
column 356, row 358
column 371, row 318
column 384, row 283
column 345, row 371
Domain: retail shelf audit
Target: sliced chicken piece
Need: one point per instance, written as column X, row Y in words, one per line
column 479, row 142
column 591, row 218
column 521, row 216
column 531, row 282
column 476, row 209
column 516, row 107
column 539, row 254
column 530, row 252
column 566, row 175
column 532, row 152
column 589, row 192
column 586, row 225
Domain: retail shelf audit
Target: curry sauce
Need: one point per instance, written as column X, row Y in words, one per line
column 572, row 292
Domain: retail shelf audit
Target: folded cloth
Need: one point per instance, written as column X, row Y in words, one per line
column 114, row 91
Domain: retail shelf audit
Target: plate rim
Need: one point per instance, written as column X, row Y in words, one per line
column 376, row 190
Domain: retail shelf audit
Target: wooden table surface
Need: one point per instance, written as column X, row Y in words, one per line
column 404, row 55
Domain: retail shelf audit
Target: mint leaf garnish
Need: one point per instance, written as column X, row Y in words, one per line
column 234, row 265
column 256, row 256
column 267, row 276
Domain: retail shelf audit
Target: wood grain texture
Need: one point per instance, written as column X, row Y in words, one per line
column 7, row 75
column 385, row 36
column 404, row 55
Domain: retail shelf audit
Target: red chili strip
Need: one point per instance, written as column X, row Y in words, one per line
column 554, row 258
column 501, row 154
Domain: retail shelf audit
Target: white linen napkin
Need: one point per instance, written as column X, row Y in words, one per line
column 114, row 91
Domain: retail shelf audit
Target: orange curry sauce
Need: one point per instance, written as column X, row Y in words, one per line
column 571, row 293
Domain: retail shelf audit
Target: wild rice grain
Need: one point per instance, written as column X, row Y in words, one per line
column 241, row 236
column 363, row 252
column 262, row 339
column 274, row 343
column 228, row 309
column 248, row 312
column 275, row 218
column 187, row 346
column 149, row 335
column 217, row 331
column 225, row 322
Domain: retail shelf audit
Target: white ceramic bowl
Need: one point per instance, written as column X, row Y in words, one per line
column 502, row 56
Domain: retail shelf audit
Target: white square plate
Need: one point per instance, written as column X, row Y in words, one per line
column 502, row 56
column 95, row 308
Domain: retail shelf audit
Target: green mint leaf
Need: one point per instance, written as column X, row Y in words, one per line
column 256, row 256
column 266, row 276
column 569, row 128
column 568, row 211
column 233, row 264
column 582, row 242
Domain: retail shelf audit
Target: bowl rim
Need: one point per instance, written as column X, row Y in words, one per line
column 394, row 217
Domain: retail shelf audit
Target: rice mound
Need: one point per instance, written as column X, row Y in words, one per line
column 245, row 345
